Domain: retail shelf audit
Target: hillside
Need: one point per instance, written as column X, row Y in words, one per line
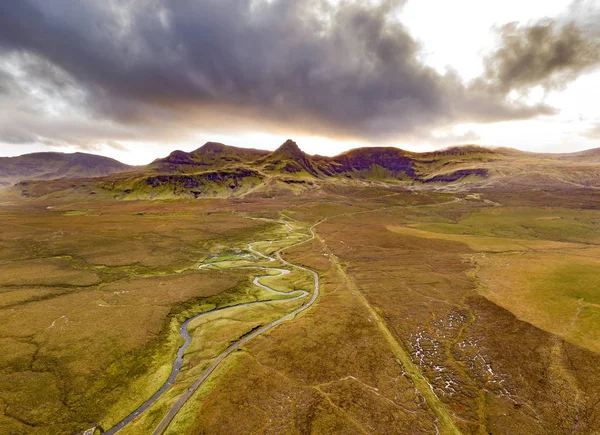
column 217, row 170
column 51, row 165
column 211, row 155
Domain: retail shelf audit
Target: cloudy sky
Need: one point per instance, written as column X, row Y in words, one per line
column 136, row 79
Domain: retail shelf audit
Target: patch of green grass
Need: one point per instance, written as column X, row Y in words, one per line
column 80, row 213
column 556, row 290
column 526, row 223
column 485, row 243
column 574, row 281
column 297, row 280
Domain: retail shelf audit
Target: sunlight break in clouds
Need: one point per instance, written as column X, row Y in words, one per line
column 137, row 80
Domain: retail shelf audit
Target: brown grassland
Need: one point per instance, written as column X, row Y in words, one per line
column 438, row 313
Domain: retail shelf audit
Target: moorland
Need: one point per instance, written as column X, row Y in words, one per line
column 379, row 291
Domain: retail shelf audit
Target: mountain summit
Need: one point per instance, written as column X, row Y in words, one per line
column 289, row 158
column 290, row 149
column 208, row 156
column 212, row 147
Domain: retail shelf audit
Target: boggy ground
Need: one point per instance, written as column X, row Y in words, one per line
column 91, row 296
column 435, row 315
column 493, row 372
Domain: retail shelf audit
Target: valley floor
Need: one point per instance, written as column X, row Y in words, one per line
column 434, row 313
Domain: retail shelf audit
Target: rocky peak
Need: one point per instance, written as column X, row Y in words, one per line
column 290, row 149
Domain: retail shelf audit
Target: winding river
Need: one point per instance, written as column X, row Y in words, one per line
column 183, row 330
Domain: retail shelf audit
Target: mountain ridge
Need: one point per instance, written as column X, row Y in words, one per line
column 219, row 170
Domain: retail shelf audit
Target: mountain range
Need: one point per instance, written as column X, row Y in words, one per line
column 218, row 170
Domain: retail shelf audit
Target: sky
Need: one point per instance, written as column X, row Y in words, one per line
column 137, row 79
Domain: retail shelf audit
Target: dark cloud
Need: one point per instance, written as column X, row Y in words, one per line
column 548, row 53
column 16, row 136
column 159, row 67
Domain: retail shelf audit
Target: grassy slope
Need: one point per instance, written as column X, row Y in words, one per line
column 541, row 264
column 229, row 172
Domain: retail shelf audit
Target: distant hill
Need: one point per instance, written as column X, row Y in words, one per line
column 52, row 165
column 211, row 155
column 217, row 170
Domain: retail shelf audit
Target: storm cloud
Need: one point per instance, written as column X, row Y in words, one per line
column 158, row 68
column 547, row 54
